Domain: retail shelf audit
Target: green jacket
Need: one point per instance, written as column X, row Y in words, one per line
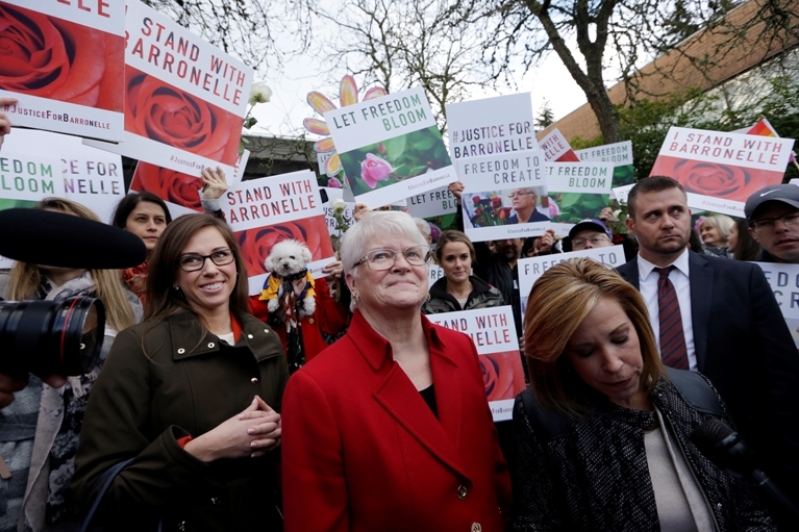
column 165, row 380
column 483, row 295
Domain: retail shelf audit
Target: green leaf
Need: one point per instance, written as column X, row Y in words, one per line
column 394, row 147
column 250, row 122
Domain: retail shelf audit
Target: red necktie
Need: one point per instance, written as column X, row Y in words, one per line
column 672, row 338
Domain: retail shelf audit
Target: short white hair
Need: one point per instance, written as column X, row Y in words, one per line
column 721, row 222
column 383, row 226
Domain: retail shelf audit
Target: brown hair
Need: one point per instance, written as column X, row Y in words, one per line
column 163, row 301
column 655, row 183
column 25, row 278
column 559, row 302
column 452, row 236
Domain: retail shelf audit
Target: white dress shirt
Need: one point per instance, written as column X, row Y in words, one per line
column 681, row 279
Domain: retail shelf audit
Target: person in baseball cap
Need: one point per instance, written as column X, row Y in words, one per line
column 589, row 234
column 773, row 215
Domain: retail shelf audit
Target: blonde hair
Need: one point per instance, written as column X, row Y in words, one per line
column 722, row 223
column 25, row 278
column 559, row 302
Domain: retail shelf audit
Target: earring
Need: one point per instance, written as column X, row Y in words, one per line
column 176, row 288
column 355, row 298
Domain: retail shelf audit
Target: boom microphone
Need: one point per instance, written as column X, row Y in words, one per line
column 725, row 448
column 56, row 239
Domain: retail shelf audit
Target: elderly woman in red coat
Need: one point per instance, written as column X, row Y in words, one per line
column 389, row 428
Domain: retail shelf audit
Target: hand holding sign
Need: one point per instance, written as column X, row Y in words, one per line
column 5, row 123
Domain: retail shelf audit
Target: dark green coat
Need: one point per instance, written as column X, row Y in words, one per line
column 169, row 379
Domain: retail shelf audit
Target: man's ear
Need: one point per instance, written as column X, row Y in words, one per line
column 630, row 224
column 753, row 234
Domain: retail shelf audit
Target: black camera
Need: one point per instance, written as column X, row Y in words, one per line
column 51, row 337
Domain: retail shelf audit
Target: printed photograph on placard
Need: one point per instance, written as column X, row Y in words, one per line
column 386, row 163
column 571, row 207
column 199, row 127
column 64, row 65
column 53, row 58
column 506, row 207
column 169, row 185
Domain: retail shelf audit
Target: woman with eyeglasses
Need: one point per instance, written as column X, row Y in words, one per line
column 191, row 395
column 389, row 429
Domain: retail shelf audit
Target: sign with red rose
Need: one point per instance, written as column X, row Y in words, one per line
column 719, row 170
column 494, row 334
column 63, row 63
column 264, row 211
column 184, row 97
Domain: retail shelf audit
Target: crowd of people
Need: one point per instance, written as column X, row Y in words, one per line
column 210, row 410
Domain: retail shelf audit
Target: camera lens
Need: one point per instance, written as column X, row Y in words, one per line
column 51, row 337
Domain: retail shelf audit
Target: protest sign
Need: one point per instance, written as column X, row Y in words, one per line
column 390, row 147
column 435, row 272
column 718, row 170
column 438, row 207
column 91, row 177
column 557, row 148
column 63, row 62
column 492, row 126
column 494, row 334
column 784, row 282
column 262, row 212
column 505, row 196
column 621, row 193
column 530, row 269
column 578, row 191
column 184, row 98
column 618, row 153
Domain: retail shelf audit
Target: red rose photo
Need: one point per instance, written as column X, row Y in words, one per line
column 502, row 375
column 166, row 114
column 169, row 185
column 52, row 58
column 256, row 243
column 714, row 179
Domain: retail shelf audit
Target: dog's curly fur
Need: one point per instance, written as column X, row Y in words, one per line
column 286, row 259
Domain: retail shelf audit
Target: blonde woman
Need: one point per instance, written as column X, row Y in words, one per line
column 603, row 442
column 39, row 434
column 715, row 233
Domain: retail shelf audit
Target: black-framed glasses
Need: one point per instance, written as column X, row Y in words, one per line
column 767, row 224
column 191, row 262
column 597, row 239
column 383, row 259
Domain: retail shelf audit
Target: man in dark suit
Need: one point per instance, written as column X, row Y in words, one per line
column 731, row 330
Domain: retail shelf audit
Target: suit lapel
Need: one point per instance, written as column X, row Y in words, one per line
column 401, row 399
column 701, row 280
column 629, row 271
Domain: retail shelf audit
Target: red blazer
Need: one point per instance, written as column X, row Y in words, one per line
column 362, row 451
column 330, row 316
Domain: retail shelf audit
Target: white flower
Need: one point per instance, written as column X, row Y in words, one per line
column 260, row 93
column 338, row 205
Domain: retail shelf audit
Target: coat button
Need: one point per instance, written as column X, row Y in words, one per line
column 215, row 500
column 310, row 320
column 462, row 491
column 181, row 351
column 211, row 345
column 254, row 380
column 266, row 330
column 476, row 527
column 249, row 336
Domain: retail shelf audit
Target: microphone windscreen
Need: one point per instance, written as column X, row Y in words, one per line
column 711, row 433
column 58, row 239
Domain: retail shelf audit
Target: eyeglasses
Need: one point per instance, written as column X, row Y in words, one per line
column 599, row 238
column 192, row 262
column 767, row 224
column 384, row 259
column 517, row 194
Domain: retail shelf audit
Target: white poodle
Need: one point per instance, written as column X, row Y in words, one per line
column 286, row 263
